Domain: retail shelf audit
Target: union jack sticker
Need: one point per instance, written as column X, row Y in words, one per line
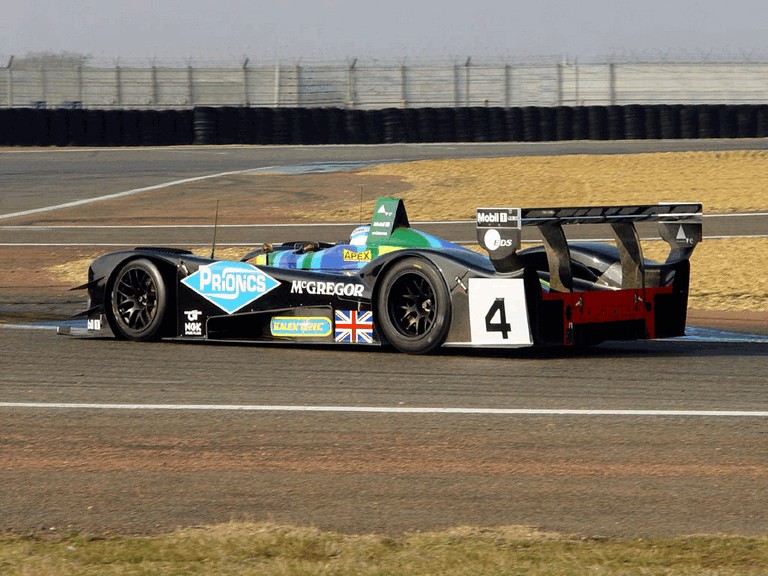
column 354, row 327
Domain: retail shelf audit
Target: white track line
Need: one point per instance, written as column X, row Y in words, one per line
column 387, row 410
column 123, row 194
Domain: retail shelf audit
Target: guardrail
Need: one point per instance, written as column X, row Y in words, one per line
column 231, row 125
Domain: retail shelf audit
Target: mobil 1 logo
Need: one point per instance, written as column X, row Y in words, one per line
column 498, row 315
column 498, row 218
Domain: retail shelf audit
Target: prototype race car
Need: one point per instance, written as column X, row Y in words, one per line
column 390, row 284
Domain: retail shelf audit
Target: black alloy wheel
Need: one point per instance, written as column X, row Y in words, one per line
column 138, row 301
column 414, row 307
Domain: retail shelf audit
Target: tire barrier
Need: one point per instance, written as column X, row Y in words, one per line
column 233, row 125
column 564, row 123
column 374, row 126
column 478, row 121
column 411, row 124
column 463, row 125
column 580, row 123
column 445, row 125
column 634, row 122
column 394, row 129
column 354, row 125
column 761, row 122
column 653, row 122
column 546, row 124
column 707, row 121
column 669, row 119
column 746, row 117
column 497, row 125
column 597, row 122
column 689, row 122
column 531, row 125
column 615, row 121
column 205, row 126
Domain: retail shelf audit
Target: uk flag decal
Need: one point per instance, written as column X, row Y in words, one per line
column 354, row 327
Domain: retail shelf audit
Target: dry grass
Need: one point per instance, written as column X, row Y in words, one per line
column 264, row 549
column 451, row 189
column 728, row 275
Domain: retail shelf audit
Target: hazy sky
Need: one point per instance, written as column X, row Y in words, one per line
column 391, row 30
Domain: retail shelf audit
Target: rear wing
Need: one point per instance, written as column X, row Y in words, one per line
column 499, row 231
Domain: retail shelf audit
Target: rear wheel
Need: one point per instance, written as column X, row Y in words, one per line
column 138, row 301
column 413, row 306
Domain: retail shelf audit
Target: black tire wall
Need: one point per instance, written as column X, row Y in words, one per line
column 233, row 125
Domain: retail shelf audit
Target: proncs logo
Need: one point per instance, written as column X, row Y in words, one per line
column 230, row 285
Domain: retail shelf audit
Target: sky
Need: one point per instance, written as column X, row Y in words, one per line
column 391, row 30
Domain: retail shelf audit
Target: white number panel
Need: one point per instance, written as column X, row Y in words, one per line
column 497, row 312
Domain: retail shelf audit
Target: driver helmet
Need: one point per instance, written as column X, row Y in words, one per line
column 359, row 236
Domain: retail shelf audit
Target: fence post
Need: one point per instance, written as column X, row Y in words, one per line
column 576, row 80
column 456, row 91
column 246, row 101
column 118, row 87
column 612, row 82
column 191, row 84
column 10, row 82
column 44, row 84
column 403, row 89
column 351, row 85
column 277, row 85
column 153, row 79
column 298, row 85
column 80, row 81
column 507, row 85
column 466, row 79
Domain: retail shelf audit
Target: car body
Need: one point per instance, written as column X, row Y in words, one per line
column 391, row 284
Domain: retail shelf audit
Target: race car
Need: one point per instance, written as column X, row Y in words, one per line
column 390, row 284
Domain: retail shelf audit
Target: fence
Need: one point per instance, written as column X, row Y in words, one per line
column 81, row 83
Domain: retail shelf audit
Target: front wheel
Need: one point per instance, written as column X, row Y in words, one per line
column 138, row 301
column 413, row 306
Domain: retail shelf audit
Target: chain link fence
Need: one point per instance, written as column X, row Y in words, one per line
column 74, row 82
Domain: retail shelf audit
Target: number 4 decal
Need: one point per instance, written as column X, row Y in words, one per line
column 502, row 325
column 498, row 315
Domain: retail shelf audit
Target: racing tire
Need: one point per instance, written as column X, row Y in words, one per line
column 138, row 302
column 413, row 306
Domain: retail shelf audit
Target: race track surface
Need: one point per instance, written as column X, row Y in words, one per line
column 170, row 434
column 145, row 470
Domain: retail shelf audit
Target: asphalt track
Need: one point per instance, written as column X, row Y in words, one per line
column 641, row 439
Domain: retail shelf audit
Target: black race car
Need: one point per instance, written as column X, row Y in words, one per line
column 391, row 284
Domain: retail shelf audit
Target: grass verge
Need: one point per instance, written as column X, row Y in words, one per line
column 265, row 549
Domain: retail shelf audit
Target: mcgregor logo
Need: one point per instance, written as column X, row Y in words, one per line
column 230, row 285
column 327, row 288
